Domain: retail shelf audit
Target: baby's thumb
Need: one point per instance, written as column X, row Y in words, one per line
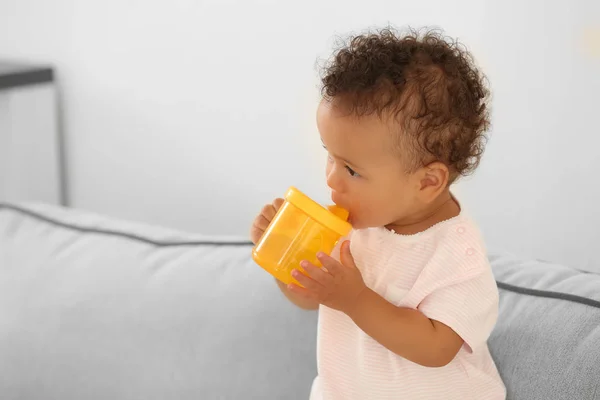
column 346, row 256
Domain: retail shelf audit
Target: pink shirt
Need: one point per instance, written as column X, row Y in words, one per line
column 442, row 272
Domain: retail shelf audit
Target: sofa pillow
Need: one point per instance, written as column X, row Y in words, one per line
column 546, row 343
column 95, row 308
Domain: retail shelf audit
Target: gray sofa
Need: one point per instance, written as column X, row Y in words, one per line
column 95, row 308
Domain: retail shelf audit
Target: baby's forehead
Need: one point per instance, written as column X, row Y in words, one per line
column 367, row 136
column 368, row 144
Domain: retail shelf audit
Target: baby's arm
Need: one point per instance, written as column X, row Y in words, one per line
column 404, row 331
column 463, row 311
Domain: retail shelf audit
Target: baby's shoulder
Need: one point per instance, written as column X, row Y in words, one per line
column 454, row 248
column 459, row 233
column 458, row 251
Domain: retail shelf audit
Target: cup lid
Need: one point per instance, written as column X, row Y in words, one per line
column 333, row 217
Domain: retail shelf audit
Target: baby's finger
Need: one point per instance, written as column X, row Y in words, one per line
column 306, row 281
column 261, row 222
column 316, row 273
column 255, row 234
column 307, row 294
column 332, row 265
column 268, row 212
column 277, row 203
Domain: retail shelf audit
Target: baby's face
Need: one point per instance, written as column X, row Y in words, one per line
column 365, row 176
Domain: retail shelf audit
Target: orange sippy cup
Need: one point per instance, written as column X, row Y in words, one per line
column 300, row 229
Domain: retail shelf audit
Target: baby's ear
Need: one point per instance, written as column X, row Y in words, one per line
column 433, row 181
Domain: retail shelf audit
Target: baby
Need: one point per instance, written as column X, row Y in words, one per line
column 408, row 300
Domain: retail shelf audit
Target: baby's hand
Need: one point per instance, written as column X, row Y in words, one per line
column 338, row 287
column 262, row 220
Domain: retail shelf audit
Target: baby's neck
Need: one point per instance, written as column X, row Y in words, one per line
column 445, row 208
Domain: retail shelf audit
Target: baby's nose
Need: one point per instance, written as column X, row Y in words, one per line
column 332, row 180
column 332, row 185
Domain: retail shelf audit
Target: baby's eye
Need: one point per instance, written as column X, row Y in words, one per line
column 351, row 171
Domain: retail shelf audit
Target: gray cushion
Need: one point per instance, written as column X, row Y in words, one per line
column 547, row 341
column 90, row 314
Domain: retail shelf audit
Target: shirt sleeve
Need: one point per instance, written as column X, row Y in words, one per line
column 469, row 307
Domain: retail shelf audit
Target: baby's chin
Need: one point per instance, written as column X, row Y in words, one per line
column 360, row 223
column 352, row 220
column 356, row 223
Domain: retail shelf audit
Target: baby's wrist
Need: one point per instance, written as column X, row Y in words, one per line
column 360, row 303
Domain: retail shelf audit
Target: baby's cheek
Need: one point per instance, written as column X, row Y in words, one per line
column 365, row 218
column 355, row 211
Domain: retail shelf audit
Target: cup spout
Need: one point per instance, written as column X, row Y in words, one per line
column 339, row 211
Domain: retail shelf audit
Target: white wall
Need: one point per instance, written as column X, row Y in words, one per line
column 538, row 191
column 166, row 103
column 29, row 154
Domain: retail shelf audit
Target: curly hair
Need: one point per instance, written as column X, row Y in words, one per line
column 425, row 82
